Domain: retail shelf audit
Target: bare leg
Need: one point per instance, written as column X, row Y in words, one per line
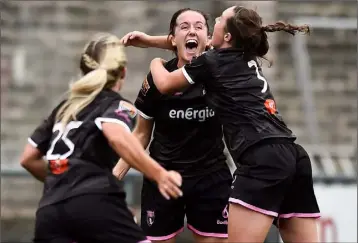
column 246, row 225
column 298, row 230
column 208, row 239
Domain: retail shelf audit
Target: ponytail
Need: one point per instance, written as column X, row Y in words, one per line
column 102, row 64
column 288, row 28
column 82, row 93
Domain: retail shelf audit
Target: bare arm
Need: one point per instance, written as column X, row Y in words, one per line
column 142, row 132
column 131, row 150
column 167, row 82
column 33, row 162
column 140, row 39
column 161, row 42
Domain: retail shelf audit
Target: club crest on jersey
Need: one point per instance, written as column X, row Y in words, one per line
column 145, row 87
column 150, row 218
column 270, row 106
column 128, row 108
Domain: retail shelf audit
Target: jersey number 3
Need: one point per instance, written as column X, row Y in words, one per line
column 252, row 63
column 62, row 134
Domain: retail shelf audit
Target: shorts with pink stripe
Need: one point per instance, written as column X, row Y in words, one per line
column 272, row 213
column 275, row 178
column 204, row 205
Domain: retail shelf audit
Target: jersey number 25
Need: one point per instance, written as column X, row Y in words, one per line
column 62, row 134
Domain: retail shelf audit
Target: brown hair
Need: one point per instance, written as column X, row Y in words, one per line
column 102, row 64
column 248, row 33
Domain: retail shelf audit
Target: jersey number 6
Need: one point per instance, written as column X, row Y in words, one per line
column 252, row 63
column 62, row 134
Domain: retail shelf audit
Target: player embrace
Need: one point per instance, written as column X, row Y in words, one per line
column 273, row 179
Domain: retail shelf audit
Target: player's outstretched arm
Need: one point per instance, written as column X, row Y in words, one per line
column 33, row 162
column 141, row 39
column 143, row 133
column 130, row 149
column 167, row 82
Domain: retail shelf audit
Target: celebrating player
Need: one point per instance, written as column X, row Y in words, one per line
column 274, row 177
column 82, row 138
column 187, row 138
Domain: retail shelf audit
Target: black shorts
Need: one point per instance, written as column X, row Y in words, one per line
column 275, row 178
column 88, row 218
column 205, row 204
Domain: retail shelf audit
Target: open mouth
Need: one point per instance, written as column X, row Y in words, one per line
column 191, row 45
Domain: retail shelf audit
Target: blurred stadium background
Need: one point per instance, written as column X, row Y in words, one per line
column 314, row 79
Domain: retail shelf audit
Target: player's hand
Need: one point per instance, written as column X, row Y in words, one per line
column 136, row 39
column 169, row 183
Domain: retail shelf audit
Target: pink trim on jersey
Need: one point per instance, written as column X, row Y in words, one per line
column 145, row 241
column 165, row 237
column 300, row 215
column 217, row 235
column 260, row 210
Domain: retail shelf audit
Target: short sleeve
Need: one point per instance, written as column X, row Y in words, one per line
column 41, row 137
column 197, row 70
column 147, row 97
column 120, row 112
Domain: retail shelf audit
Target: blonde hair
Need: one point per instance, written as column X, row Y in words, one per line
column 102, row 64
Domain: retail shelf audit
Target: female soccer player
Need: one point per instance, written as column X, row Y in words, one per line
column 187, row 138
column 82, row 138
column 274, row 177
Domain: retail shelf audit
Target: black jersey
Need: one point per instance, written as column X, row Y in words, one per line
column 187, row 135
column 240, row 95
column 80, row 158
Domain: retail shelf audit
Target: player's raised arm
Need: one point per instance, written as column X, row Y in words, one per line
column 143, row 40
column 170, row 82
column 167, row 82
